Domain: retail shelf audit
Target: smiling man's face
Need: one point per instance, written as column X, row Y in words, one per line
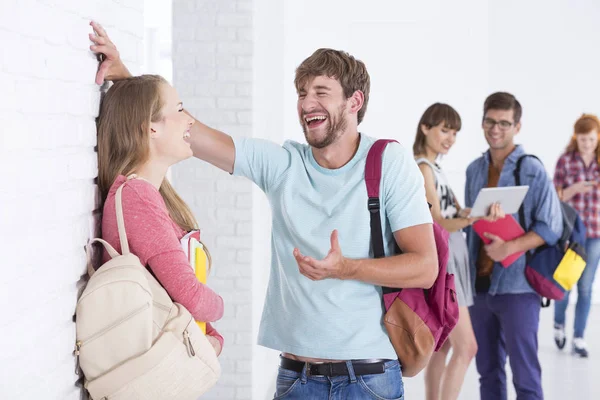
column 322, row 109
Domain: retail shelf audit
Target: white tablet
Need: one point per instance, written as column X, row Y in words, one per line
column 509, row 197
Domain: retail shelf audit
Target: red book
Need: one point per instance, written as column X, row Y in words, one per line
column 506, row 228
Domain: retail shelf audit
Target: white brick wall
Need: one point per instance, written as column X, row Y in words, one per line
column 212, row 71
column 48, row 105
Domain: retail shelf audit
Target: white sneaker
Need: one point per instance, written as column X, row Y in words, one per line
column 580, row 347
column 560, row 338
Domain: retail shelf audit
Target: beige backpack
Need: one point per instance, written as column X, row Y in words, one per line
column 133, row 342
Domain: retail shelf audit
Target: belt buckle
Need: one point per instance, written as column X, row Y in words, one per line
column 307, row 368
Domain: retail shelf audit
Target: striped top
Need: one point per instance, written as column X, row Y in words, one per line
column 448, row 207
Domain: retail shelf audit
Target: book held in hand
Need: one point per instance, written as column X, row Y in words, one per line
column 506, row 228
column 194, row 251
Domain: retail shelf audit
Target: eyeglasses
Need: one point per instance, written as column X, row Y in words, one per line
column 489, row 123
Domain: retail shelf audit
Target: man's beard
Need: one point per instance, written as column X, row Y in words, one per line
column 337, row 125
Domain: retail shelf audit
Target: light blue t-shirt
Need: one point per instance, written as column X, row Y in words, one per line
column 331, row 319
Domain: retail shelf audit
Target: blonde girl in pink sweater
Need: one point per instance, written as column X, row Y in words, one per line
column 142, row 131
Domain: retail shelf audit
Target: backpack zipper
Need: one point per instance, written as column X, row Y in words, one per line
column 80, row 343
column 188, row 343
column 77, row 348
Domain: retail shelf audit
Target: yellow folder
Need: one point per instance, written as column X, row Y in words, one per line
column 201, row 267
column 199, row 260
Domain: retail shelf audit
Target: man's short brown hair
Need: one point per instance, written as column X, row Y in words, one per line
column 503, row 101
column 350, row 72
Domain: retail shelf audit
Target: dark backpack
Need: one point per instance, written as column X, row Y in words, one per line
column 552, row 270
column 418, row 321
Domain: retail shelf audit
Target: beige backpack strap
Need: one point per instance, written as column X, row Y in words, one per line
column 122, row 235
column 88, row 254
column 88, row 251
column 109, row 249
column 121, row 221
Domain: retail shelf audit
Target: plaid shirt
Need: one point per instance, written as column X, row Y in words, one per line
column 571, row 169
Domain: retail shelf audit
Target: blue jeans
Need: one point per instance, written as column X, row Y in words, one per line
column 584, row 290
column 297, row 385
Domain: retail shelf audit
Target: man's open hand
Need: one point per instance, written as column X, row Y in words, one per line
column 334, row 265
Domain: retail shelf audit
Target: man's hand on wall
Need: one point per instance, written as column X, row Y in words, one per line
column 111, row 67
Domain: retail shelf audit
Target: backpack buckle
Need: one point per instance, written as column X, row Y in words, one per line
column 373, row 204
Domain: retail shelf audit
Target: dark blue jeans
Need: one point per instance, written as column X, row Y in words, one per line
column 293, row 385
column 507, row 324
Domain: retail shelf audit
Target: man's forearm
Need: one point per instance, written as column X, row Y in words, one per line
column 121, row 73
column 410, row 270
column 208, row 144
column 453, row 224
column 212, row 146
column 527, row 242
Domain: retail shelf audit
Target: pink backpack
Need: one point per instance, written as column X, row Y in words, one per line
column 418, row 321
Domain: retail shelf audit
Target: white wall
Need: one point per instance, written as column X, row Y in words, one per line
column 418, row 53
column 158, row 35
column 269, row 114
column 48, row 105
column 212, row 71
column 546, row 52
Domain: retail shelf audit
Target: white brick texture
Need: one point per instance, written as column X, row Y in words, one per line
column 212, row 70
column 48, row 106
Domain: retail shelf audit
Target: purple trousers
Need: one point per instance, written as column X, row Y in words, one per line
column 507, row 325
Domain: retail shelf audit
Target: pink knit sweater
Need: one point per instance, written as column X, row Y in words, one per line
column 154, row 237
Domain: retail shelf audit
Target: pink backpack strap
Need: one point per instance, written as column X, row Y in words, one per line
column 373, row 182
column 431, row 305
column 373, row 167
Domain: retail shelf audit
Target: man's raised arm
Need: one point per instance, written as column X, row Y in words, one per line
column 208, row 144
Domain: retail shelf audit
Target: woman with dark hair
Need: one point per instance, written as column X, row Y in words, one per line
column 436, row 133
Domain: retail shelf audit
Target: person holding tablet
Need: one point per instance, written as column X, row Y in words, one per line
column 436, row 133
column 509, row 198
column 576, row 179
column 506, row 309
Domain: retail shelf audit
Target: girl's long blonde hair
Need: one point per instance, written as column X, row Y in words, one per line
column 585, row 124
column 123, row 138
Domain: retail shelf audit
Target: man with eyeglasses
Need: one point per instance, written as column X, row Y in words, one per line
column 505, row 314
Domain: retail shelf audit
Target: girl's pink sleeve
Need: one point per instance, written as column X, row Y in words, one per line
column 152, row 238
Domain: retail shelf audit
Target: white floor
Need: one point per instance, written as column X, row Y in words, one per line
column 564, row 376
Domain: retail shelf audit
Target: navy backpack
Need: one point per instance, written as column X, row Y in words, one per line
column 553, row 270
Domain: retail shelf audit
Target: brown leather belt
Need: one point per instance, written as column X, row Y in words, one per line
column 361, row 367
